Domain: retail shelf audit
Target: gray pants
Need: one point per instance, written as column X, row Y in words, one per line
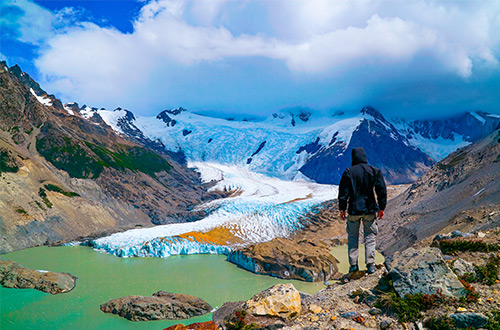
column 370, row 230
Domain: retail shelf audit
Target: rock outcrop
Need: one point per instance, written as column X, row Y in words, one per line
column 304, row 256
column 162, row 305
column 14, row 275
column 309, row 261
column 423, row 271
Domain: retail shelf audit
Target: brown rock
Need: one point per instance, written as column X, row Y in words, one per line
column 306, row 260
column 162, row 305
column 210, row 325
column 14, row 275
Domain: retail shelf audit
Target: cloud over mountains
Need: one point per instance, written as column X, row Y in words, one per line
column 223, row 52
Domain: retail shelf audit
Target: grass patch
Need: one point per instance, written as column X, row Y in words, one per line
column 487, row 274
column 237, row 322
column 132, row 158
column 410, row 308
column 87, row 160
column 446, row 323
column 440, row 323
column 53, row 187
column 21, row 211
column 44, row 197
column 452, row 247
column 69, row 155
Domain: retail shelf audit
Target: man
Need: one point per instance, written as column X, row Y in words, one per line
column 356, row 194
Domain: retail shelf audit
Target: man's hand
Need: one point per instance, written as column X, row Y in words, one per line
column 380, row 214
column 343, row 215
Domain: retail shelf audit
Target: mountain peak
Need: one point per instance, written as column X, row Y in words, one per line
column 372, row 112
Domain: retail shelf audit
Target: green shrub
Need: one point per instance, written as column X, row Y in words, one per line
column 237, row 322
column 494, row 320
column 21, row 211
column 53, row 187
column 410, row 308
column 39, row 205
column 451, row 247
column 44, row 197
column 487, row 274
column 440, row 323
column 7, row 162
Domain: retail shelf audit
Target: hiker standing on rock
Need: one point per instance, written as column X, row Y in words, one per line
column 356, row 194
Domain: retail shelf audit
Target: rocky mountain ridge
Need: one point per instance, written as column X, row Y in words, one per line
column 64, row 176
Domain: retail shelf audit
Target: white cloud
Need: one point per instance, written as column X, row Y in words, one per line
column 310, row 36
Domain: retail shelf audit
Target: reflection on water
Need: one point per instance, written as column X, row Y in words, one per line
column 340, row 252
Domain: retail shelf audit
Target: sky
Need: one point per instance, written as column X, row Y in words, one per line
column 407, row 58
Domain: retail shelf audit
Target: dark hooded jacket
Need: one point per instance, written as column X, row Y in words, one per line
column 357, row 185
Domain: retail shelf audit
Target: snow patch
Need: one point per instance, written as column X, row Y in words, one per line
column 111, row 118
column 438, row 148
column 43, row 100
column 478, row 117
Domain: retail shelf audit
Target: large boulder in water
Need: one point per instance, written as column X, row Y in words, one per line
column 422, row 271
column 14, row 275
column 305, row 260
column 162, row 305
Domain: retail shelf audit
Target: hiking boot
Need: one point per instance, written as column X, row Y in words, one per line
column 353, row 268
column 371, row 268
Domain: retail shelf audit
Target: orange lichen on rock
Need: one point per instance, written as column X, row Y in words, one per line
column 218, row 236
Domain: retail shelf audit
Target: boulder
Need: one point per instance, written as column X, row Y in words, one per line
column 14, row 275
column 422, row 271
column 305, row 260
column 210, row 325
column 280, row 300
column 469, row 320
column 222, row 314
column 162, row 305
column 462, row 267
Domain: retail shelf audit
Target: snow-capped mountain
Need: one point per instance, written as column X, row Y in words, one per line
column 440, row 137
column 301, row 144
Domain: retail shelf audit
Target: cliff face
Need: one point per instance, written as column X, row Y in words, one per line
column 462, row 192
column 64, row 177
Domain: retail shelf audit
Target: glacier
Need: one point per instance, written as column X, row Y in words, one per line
column 261, row 209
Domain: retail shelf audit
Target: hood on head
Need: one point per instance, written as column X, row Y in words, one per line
column 358, row 156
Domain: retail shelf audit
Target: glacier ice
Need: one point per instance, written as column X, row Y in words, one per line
column 265, row 208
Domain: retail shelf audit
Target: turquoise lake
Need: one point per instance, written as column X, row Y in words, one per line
column 102, row 277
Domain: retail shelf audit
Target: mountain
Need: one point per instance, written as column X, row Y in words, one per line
column 65, row 175
column 439, row 137
column 299, row 143
column 461, row 192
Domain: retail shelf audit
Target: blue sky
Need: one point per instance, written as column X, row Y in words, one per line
column 412, row 58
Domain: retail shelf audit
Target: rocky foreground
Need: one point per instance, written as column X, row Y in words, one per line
column 453, row 284
column 14, row 275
